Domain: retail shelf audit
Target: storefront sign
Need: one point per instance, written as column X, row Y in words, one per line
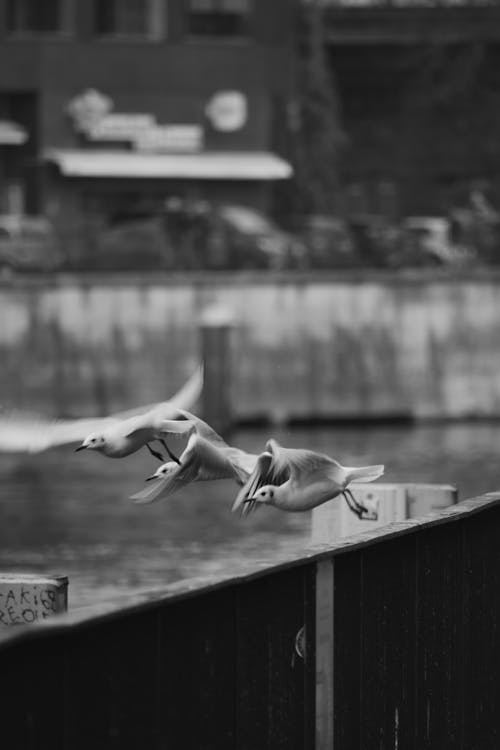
column 12, row 134
column 120, row 127
column 227, row 110
column 92, row 116
column 170, row 138
column 88, row 109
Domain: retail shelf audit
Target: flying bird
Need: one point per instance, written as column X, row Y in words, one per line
column 206, row 456
column 115, row 436
column 297, row 480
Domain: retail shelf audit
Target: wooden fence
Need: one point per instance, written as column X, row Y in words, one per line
column 389, row 639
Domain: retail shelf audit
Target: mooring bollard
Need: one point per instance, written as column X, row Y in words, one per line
column 25, row 599
column 215, row 333
column 387, row 502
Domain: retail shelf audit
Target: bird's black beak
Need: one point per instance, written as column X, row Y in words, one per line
column 153, row 476
column 80, row 448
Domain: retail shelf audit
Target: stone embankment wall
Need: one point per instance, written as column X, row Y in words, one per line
column 321, row 346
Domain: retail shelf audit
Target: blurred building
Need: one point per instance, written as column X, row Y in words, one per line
column 116, row 106
column 418, row 84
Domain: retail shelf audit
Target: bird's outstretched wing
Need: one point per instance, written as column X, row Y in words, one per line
column 201, row 461
column 152, row 417
column 32, row 434
column 185, row 424
column 179, row 477
column 299, row 462
column 185, row 398
column 25, row 432
column 265, row 472
column 242, row 462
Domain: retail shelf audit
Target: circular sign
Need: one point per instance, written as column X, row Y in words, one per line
column 227, row 110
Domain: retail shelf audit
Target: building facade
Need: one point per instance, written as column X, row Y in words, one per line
column 112, row 107
column 418, row 87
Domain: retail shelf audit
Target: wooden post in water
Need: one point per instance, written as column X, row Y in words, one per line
column 389, row 502
column 25, row 599
column 215, row 333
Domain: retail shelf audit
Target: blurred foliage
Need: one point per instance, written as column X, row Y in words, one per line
column 316, row 137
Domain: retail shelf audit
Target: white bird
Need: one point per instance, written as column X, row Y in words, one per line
column 297, row 480
column 206, row 456
column 115, row 436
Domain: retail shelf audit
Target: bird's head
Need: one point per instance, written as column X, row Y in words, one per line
column 266, row 495
column 163, row 471
column 93, row 442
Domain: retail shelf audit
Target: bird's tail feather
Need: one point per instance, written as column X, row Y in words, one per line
column 364, row 473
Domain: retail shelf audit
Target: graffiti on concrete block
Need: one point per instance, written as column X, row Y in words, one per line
column 21, row 604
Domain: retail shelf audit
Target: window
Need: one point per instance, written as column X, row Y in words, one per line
column 34, row 16
column 128, row 18
column 226, row 18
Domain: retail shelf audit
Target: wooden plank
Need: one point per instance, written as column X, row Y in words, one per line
column 348, row 594
column 32, row 696
column 439, row 622
column 198, row 672
column 286, row 612
column 273, row 702
column 310, row 599
column 324, row 654
column 252, row 683
column 388, row 645
column 482, row 629
column 111, row 684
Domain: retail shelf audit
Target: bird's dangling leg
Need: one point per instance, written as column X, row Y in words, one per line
column 172, row 455
column 362, row 509
column 155, row 453
column 349, row 503
column 356, row 503
column 353, row 504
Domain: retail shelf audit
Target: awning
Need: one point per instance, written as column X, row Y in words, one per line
column 227, row 165
column 12, row 134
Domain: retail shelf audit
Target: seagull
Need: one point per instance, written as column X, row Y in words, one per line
column 114, row 436
column 206, row 456
column 297, row 480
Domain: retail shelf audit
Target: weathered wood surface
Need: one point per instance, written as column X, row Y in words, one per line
column 401, row 631
column 325, row 661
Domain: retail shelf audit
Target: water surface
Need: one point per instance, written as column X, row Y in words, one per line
column 69, row 513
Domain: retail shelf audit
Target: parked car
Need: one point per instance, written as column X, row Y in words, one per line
column 256, row 240
column 136, row 245
column 28, row 243
column 427, row 240
column 329, row 242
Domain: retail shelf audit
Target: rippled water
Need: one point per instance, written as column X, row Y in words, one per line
column 65, row 512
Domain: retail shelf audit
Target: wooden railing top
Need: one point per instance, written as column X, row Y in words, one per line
column 185, row 588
